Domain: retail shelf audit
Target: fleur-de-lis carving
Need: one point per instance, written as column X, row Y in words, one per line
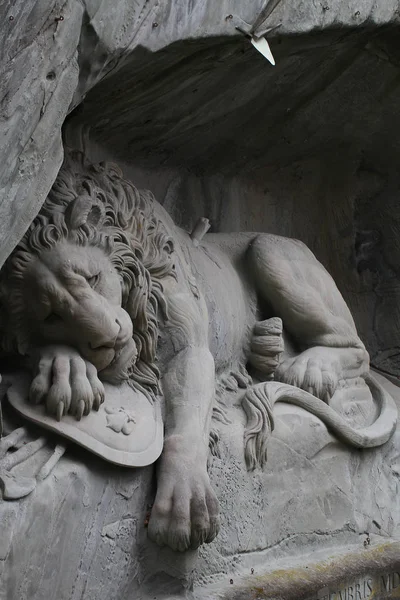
column 120, row 420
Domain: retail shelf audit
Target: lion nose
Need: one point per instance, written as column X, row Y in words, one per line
column 102, row 344
column 105, row 342
column 124, row 334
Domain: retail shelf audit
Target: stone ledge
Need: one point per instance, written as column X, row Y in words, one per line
column 372, row 572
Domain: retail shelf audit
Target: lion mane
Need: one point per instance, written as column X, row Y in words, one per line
column 121, row 221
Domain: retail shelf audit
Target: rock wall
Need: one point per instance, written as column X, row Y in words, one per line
column 305, row 149
column 54, row 52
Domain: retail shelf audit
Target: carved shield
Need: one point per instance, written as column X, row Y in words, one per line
column 127, row 429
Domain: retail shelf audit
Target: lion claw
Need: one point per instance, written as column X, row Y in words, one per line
column 98, row 401
column 80, row 410
column 60, row 411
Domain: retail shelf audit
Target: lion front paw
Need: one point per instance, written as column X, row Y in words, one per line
column 65, row 383
column 185, row 513
column 316, row 370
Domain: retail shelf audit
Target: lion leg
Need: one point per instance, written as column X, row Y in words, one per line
column 303, row 294
column 185, row 510
column 185, row 513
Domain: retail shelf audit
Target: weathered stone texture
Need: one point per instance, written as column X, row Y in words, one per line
column 54, row 52
column 308, row 150
column 82, row 533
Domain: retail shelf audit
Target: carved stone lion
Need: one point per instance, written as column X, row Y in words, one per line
column 104, row 287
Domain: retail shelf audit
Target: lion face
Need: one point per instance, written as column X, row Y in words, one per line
column 89, row 273
column 72, row 296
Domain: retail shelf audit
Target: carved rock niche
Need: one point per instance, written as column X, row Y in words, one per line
column 199, row 300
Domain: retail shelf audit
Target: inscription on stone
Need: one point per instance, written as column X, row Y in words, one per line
column 375, row 587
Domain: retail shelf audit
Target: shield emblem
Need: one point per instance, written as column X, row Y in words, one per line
column 127, row 430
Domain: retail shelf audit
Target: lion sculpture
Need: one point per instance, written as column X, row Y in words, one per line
column 104, row 287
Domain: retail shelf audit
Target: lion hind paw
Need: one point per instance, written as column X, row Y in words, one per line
column 267, row 346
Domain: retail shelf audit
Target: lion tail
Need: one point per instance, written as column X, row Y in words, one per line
column 259, row 401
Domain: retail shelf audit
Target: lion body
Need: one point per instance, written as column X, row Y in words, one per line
column 218, row 268
column 104, row 286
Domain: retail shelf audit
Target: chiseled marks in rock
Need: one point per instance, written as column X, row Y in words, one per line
column 8, row 517
column 53, row 53
column 82, row 537
column 328, row 496
column 39, row 76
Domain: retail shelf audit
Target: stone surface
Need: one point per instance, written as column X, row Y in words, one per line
column 55, row 52
column 82, row 533
column 370, row 572
column 307, row 150
column 104, row 287
column 328, row 497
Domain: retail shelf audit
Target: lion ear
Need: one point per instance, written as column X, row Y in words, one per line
column 84, row 210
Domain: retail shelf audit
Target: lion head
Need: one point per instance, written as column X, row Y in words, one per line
column 88, row 273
